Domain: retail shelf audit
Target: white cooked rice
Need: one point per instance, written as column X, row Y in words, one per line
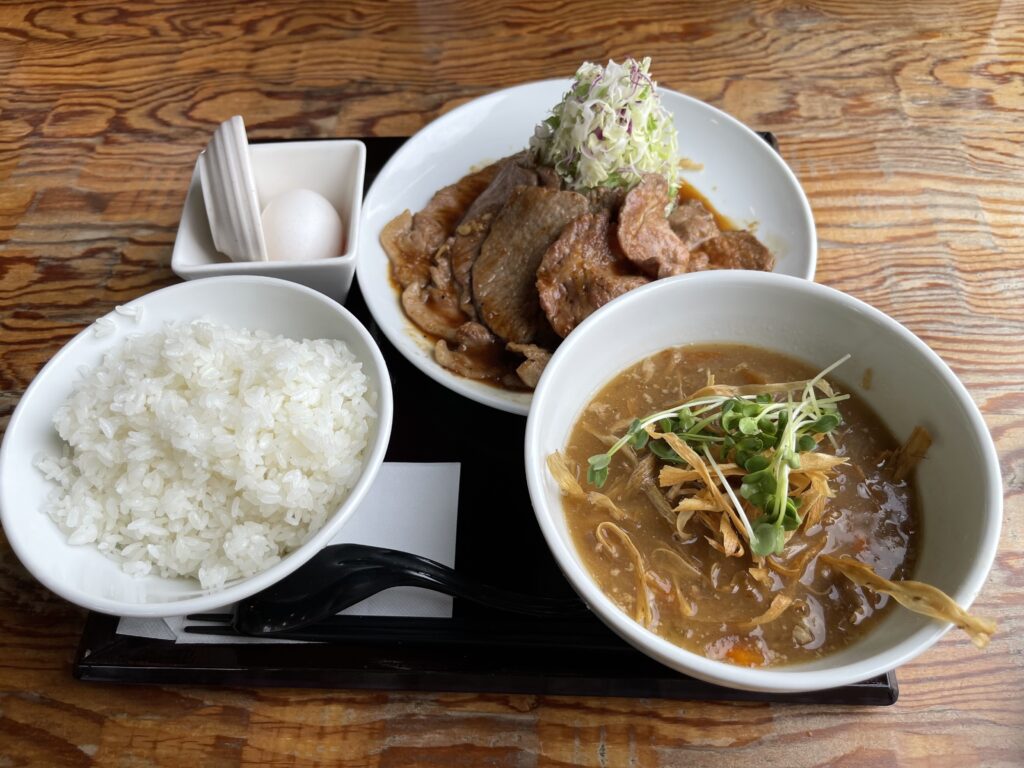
column 133, row 312
column 103, row 327
column 208, row 452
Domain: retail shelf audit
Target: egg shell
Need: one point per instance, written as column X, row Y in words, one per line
column 302, row 225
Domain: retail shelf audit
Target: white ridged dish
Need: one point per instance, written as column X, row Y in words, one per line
column 229, row 190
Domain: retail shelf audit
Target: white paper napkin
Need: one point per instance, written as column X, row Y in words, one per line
column 410, row 507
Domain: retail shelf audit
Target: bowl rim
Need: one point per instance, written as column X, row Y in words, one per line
column 353, row 227
column 774, row 679
column 495, row 397
column 204, row 601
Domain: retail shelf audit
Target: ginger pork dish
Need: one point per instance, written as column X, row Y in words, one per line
column 500, row 266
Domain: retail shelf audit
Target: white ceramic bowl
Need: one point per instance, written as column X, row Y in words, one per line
column 742, row 176
column 959, row 482
column 333, row 168
column 81, row 574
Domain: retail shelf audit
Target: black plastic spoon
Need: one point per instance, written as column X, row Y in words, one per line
column 342, row 575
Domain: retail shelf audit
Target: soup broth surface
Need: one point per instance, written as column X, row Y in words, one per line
column 709, row 606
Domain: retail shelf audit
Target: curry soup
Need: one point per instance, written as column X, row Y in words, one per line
column 756, row 611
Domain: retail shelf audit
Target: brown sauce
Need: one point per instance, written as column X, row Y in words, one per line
column 871, row 517
column 688, row 192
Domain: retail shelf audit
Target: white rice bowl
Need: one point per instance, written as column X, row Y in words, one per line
column 81, row 573
column 208, row 452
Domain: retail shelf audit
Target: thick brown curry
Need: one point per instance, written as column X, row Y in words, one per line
column 722, row 606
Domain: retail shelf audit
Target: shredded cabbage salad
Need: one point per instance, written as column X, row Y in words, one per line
column 609, row 129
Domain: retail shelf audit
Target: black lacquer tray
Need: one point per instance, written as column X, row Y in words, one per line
column 478, row 650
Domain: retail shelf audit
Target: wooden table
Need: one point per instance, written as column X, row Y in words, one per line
column 904, row 121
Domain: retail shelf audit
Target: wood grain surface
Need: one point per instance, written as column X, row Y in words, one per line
column 904, row 122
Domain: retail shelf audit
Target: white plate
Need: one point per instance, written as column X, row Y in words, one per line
column 742, row 176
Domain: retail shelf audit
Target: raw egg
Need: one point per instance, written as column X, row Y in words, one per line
column 302, row 225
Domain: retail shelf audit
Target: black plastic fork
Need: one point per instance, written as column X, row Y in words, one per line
column 342, row 575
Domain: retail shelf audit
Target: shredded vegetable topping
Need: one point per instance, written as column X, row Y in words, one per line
column 918, row 597
column 768, row 439
column 609, row 129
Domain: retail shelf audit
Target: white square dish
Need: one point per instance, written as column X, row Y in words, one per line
column 332, row 168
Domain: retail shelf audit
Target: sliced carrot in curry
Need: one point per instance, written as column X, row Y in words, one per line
column 744, row 655
column 858, row 545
